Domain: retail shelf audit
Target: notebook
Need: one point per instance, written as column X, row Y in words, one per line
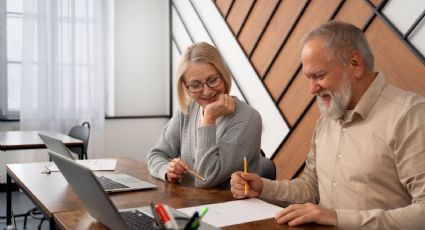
column 114, row 182
column 99, row 205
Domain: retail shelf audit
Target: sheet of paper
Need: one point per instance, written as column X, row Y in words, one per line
column 92, row 164
column 235, row 212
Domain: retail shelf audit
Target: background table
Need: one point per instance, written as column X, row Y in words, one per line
column 20, row 140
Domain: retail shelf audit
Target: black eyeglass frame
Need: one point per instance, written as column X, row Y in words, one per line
column 206, row 83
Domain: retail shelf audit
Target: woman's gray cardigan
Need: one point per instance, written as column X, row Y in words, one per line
column 215, row 151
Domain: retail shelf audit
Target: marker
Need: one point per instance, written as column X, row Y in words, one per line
column 196, row 223
column 188, row 225
column 165, row 218
column 245, row 170
column 156, row 215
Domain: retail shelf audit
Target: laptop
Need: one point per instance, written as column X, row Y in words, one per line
column 114, row 182
column 99, row 205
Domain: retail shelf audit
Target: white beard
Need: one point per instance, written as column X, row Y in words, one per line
column 339, row 100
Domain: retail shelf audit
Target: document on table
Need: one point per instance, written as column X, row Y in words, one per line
column 92, row 164
column 235, row 212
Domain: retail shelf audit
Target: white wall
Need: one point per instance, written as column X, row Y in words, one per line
column 132, row 137
column 142, row 50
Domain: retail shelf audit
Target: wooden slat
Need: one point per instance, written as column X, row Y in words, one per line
column 376, row 2
column 224, row 6
column 291, row 156
column 275, row 33
column 288, row 60
column 357, row 17
column 238, row 13
column 394, row 59
column 296, row 99
column 254, row 25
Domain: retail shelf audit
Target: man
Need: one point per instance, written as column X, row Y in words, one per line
column 366, row 166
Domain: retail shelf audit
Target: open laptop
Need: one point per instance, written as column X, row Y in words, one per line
column 99, row 205
column 114, row 182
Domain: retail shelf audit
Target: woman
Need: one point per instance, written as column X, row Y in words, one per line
column 212, row 132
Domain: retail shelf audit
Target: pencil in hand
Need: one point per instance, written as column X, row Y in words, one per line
column 193, row 173
column 245, row 170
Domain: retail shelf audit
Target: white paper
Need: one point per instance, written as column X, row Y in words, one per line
column 235, row 212
column 92, row 164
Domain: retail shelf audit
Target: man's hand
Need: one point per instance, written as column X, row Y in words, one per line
column 175, row 170
column 297, row 214
column 224, row 105
column 238, row 185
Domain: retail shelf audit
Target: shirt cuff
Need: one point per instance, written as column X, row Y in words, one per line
column 348, row 219
column 268, row 188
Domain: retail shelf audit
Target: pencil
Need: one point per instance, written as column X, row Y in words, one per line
column 193, row 173
column 196, row 175
column 245, row 170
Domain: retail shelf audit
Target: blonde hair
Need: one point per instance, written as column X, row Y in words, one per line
column 199, row 53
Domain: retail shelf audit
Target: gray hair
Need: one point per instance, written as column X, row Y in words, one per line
column 340, row 39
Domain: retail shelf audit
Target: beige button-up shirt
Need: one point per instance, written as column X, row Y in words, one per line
column 369, row 166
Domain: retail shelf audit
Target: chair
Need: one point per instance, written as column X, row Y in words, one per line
column 267, row 168
column 80, row 132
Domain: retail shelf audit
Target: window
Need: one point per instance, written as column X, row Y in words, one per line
column 10, row 57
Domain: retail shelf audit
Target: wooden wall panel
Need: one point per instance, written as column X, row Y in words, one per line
column 317, row 12
column 275, row 33
column 376, row 2
column 296, row 99
column 238, row 13
column 358, row 17
column 291, row 156
column 224, row 6
column 255, row 24
column 394, row 59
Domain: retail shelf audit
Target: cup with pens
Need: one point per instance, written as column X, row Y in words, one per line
column 164, row 218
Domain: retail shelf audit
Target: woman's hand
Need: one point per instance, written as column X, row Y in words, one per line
column 176, row 169
column 225, row 104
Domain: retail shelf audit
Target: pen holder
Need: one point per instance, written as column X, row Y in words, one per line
column 181, row 222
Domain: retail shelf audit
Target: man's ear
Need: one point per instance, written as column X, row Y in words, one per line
column 356, row 64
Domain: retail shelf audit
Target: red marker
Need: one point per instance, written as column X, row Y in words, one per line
column 165, row 217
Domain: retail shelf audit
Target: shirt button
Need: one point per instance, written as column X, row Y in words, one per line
column 344, row 129
column 333, row 184
column 339, row 155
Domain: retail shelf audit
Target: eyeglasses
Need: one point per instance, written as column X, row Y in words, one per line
column 198, row 86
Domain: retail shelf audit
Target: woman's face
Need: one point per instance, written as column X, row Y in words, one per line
column 204, row 83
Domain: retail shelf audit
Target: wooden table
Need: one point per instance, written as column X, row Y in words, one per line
column 19, row 140
column 174, row 195
column 63, row 209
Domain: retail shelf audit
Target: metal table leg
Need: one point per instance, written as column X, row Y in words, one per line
column 8, row 200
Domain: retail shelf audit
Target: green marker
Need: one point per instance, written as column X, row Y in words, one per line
column 203, row 212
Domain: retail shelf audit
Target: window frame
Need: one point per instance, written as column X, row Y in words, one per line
column 5, row 113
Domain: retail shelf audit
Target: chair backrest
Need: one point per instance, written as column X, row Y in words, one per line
column 267, row 168
column 81, row 132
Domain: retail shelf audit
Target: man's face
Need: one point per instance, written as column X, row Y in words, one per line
column 329, row 79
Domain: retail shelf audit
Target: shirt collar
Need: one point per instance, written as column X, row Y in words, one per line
column 369, row 98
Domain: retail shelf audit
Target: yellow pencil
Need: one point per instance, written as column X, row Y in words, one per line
column 245, row 170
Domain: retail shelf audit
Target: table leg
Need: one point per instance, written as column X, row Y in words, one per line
column 8, row 200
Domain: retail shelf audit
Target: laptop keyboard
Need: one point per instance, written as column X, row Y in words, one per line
column 109, row 184
column 137, row 220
